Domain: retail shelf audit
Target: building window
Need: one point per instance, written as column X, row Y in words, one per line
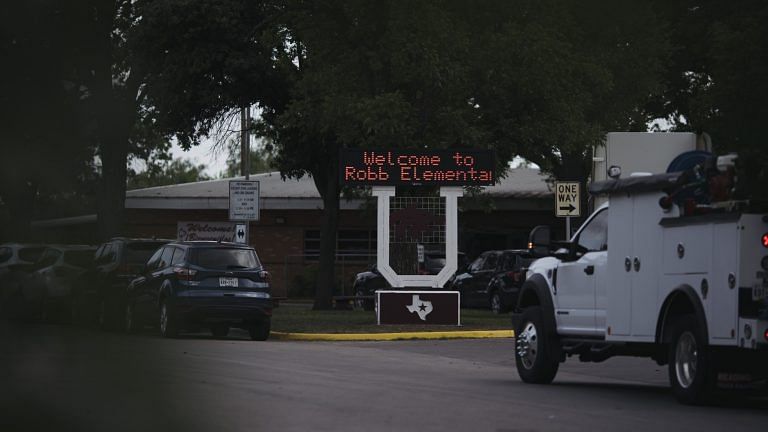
column 351, row 245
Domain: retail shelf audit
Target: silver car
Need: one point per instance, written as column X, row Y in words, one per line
column 46, row 292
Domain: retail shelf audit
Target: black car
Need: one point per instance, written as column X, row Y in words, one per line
column 493, row 280
column 99, row 294
column 368, row 282
column 188, row 285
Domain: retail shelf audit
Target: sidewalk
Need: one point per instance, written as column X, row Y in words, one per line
column 424, row 335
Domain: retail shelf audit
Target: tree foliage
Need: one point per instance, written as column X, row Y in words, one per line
column 262, row 159
column 166, row 172
column 45, row 152
column 716, row 78
column 72, row 102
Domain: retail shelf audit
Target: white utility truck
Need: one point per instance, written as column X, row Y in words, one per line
column 673, row 267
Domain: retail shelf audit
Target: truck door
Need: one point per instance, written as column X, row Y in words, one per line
column 575, row 287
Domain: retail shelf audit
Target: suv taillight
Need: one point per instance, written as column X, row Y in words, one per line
column 265, row 275
column 183, row 273
column 516, row 276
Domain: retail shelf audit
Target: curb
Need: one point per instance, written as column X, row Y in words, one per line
column 474, row 334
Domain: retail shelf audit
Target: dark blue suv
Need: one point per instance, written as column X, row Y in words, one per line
column 189, row 285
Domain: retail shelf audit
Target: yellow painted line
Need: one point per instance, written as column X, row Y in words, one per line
column 473, row 334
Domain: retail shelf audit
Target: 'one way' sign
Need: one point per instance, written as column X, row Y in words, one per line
column 567, row 199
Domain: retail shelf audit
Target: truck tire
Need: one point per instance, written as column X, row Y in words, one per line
column 535, row 348
column 691, row 372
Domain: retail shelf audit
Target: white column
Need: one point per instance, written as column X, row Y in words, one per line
column 383, row 194
column 451, row 195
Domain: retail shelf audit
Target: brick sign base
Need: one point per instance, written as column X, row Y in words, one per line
column 418, row 307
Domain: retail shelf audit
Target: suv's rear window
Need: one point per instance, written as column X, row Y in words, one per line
column 224, row 259
column 78, row 258
column 31, row 254
column 139, row 252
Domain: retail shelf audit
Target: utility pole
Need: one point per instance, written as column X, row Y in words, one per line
column 245, row 143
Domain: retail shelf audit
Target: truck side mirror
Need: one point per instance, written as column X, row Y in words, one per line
column 540, row 240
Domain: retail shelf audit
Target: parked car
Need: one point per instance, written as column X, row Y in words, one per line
column 188, row 285
column 46, row 290
column 99, row 294
column 493, row 280
column 368, row 282
column 16, row 260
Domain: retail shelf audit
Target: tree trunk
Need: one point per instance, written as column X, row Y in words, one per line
column 114, row 157
column 328, row 185
column 116, row 114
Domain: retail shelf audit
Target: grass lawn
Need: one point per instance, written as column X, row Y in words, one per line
column 300, row 318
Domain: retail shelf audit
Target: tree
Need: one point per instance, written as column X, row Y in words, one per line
column 166, row 172
column 74, row 102
column 568, row 74
column 121, row 123
column 385, row 74
column 262, row 159
column 46, row 148
column 716, row 79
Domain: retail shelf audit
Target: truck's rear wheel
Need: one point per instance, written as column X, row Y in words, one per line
column 691, row 372
column 535, row 348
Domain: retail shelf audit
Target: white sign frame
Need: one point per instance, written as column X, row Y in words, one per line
column 563, row 206
column 244, row 197
column 451, row 195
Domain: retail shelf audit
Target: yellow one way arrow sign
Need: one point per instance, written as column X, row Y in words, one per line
column 567, row 199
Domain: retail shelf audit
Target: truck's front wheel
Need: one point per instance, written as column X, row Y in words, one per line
column 691, row 372
column 535, row 348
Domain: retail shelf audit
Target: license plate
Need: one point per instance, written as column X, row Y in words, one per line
column 759, row 291
column 227, row 282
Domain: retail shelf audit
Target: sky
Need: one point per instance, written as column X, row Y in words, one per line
column 203, row 154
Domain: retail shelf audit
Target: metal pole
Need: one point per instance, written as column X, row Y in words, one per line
column 245, row 144
column 568, row 228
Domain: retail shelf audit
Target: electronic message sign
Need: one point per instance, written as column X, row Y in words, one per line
column 448, row 167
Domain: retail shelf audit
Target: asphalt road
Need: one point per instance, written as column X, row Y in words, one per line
column 58, row 378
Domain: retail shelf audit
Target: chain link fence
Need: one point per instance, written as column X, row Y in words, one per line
column 300, row 273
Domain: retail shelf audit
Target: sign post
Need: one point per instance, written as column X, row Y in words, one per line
column 567, row 203
column 243, row 206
